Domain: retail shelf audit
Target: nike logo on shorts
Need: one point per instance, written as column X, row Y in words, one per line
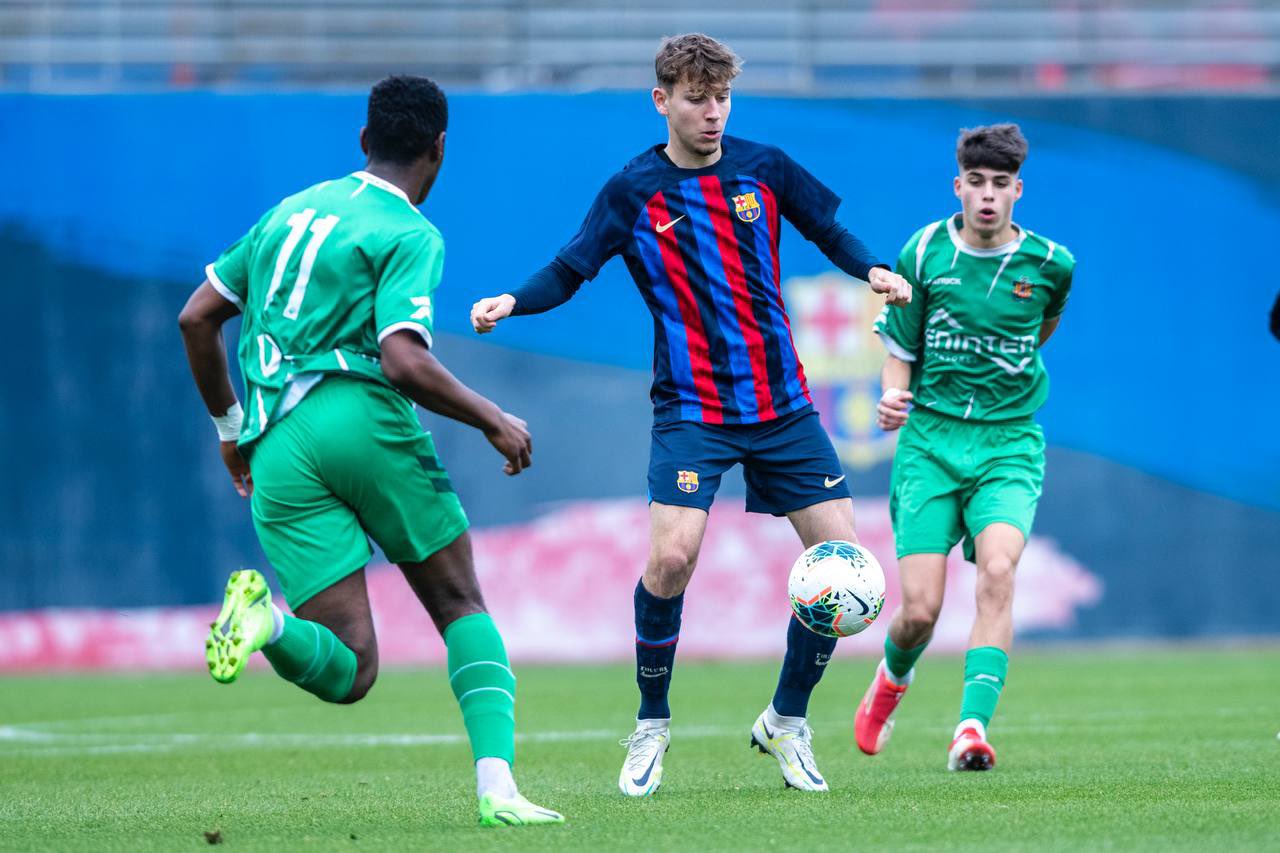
column 828, row 482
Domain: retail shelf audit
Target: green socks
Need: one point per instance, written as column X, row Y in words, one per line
column 985, row 669
column 900, row 661
column 312, row 657
column 484, row 685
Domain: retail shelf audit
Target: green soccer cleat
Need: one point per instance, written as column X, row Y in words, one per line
column 244, row 625
column 514, row 811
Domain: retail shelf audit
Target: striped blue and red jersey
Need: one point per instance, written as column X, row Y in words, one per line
column 703, row 248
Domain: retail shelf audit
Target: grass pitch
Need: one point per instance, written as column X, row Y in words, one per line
column 1159, row 750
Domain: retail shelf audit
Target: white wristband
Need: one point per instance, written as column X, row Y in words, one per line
column 228, row 425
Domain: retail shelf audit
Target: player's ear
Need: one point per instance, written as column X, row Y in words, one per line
column 437, row 150
column 364, row 141
column 955, row 185
column 660, row 97
column 1017, row 189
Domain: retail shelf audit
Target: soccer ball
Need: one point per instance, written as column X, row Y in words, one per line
column 836, row 588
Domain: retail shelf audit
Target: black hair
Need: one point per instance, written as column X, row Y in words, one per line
column 406, row 116
column 998, row 146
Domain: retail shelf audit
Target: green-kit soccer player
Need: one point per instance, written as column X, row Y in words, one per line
column 335, row 284
column 970, row 459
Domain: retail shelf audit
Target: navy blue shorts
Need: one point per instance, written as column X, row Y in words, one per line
column 788, row 463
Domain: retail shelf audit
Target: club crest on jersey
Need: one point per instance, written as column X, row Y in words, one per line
column 1022, row 289
column 746, row 206
column 687, row 481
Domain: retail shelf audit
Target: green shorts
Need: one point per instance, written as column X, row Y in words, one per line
column 350, row 462
column 952, row 478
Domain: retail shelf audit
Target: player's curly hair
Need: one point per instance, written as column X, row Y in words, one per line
column 997, row 146
column 406, row 116
column 697, row 59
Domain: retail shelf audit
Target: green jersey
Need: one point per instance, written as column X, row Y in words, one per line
column 972, row 329
column 322, row 278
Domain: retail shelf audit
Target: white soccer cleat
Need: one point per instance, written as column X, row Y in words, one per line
column 642, row 771
column 793, row 747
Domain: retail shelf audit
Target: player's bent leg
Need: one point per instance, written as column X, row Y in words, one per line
column 480, row 676
column 330, row 648
column 922, row 578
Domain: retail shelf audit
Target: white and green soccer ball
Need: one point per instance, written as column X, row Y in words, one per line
column 836, row 588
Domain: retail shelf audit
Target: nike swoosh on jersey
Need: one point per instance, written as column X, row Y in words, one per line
column 828, row 482
column 665, row 226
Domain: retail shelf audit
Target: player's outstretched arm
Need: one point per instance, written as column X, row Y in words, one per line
column 201, row 324
column 553, row 285
column 895, row 379
column 410, row 366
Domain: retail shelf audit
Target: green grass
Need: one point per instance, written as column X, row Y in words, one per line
column 1157, row 750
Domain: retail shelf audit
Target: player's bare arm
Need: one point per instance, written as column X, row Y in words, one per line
column 895, row 379
column 1048, row 327
column 410, row 366
column 201, row 324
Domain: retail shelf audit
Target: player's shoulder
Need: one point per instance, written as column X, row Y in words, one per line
column 923, row 236
column 752, row 156
column 1057, row 258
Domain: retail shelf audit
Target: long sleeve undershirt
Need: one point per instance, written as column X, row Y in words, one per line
column 557, row 282
column 554, row 284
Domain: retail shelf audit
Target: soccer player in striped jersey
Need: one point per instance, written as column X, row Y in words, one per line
column 335, row 285
column 965, row 355
column 697, row 221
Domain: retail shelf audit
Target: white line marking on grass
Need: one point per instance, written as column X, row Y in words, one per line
column 29, row 741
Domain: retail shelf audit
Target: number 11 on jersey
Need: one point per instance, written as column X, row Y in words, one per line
column 320, row 229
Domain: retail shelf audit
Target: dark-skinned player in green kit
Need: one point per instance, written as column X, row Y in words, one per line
column 335, row 285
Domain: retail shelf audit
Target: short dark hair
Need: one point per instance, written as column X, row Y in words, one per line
column 698, row 59
column 997, row 146
column 406, row 116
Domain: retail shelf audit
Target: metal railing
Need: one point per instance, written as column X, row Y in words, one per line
column 863, row 47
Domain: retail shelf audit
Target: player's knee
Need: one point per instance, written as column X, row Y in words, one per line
column 919, row 617
column 366, row 675
column 670, row 568
column 995, row 580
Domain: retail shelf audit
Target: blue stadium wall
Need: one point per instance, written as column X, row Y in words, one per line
column 1164, row 464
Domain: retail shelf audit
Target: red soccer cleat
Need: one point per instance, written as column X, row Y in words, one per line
column 970, row 751
column 873, row 723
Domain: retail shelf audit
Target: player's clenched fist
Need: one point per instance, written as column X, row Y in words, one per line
column 892, row 411
column 486, row 313
column 896, row 289
column 237, row 467
column 510, row 437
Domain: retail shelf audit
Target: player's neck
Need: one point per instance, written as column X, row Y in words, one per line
column 686, row 159
column 408, row 179
column 976, row 240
